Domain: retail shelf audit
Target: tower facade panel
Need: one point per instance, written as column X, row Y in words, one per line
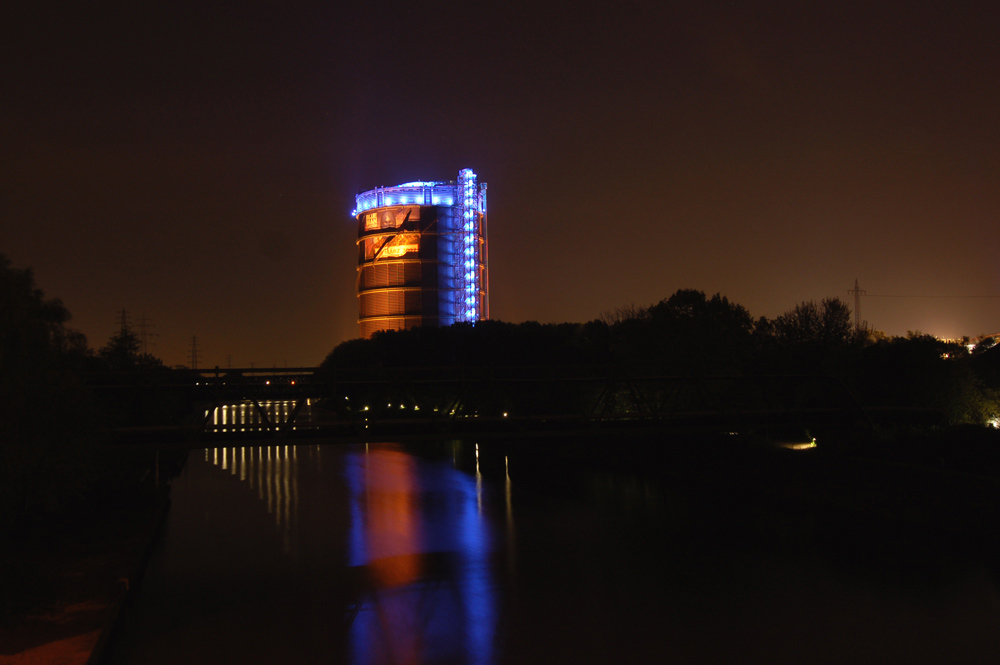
column 422, row 254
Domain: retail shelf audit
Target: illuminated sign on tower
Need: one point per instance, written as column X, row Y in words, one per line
column 422, row 254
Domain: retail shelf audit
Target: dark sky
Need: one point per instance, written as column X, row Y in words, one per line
column 197, row 162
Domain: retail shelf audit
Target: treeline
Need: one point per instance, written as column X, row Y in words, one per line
column 59, row 398
column 692, row 335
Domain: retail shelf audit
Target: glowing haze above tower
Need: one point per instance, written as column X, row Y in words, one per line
column 422, row 254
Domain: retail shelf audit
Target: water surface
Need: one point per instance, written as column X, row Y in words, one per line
column 380, row 554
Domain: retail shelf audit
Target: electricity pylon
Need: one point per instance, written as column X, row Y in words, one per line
column 857, row 292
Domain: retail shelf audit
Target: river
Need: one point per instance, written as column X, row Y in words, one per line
column 445, row 553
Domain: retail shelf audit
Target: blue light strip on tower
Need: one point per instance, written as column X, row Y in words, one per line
column 470, row 217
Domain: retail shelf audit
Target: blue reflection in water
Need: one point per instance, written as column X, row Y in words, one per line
column 419, row 546
column 332, row 554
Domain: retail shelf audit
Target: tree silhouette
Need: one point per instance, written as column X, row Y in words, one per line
column 121, row 353
column 122, row 350
column 694, row 334
column 45, row 410
column 827, row 323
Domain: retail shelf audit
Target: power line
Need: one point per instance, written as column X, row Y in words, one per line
column 194, row 353
column 144, row 333
column 124, row 323
column 857, row 292
column 887, row 295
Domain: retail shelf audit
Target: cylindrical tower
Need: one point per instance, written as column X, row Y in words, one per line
column 422, row 254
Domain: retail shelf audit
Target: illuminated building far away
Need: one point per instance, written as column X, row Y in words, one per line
column 422, row 254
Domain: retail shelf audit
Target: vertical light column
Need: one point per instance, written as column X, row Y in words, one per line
column 468, row 307
column 483, row 265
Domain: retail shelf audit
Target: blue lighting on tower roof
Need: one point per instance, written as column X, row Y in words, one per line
column 419, row 192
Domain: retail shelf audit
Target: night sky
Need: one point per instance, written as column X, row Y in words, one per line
column 197, row 163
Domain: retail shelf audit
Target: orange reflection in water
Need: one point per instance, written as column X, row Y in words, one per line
column 388, row 630
column 393, row 524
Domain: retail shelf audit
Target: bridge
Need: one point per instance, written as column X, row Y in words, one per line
column 479, row 400
column 276, row 397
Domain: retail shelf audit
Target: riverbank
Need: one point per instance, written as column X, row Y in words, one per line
column 68, row 576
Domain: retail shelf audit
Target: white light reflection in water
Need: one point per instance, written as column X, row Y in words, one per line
column 509, row 514
column 269, row 475
column 506, row 494
column 273, row 472
column 479, row 483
